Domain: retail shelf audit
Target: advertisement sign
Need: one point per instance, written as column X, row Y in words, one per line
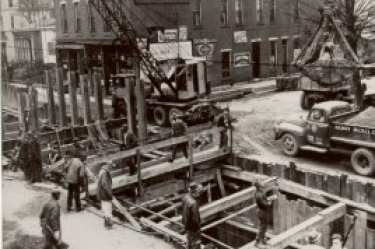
column 241, row 59
column 240, row 37
column 183, row 33
column 171, row 50
column 205, row 48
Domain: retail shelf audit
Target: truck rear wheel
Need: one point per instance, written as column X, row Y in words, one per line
column 160, row 116
column 307, row 101
column 290, row 144
column 363, row 161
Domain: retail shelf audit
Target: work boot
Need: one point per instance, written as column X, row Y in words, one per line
column 110, row 223
column 106, row 223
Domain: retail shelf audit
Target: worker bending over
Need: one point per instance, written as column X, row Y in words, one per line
column 313, row 241
column 191, row 216
column 179, row 128
column 223, row 121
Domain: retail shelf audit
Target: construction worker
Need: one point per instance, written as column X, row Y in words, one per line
column 50, row 223
column 263, row 208
column 313, row 241
column 105, row 194
column 223, row 121
column 179, row 128
column 337, row 242
column 130, row 141
column 75, row 172
column 191, row 216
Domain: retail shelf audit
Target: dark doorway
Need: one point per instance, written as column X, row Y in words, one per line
column 225, row 63
column 255, row 58
column 284, row 44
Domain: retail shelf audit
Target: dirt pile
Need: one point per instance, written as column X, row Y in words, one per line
column 364, row 118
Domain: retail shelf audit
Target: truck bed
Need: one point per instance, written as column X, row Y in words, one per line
column 362, row 136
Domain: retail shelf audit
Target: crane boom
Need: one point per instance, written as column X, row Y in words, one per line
column 114, row 15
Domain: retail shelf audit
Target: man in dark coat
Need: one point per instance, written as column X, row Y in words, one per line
column 223, row 121
column 179, row 128
column 104, row 193
column 30, row 158
column 263, row 208
column 191, row 216
column 75, row 172
column 50, row 223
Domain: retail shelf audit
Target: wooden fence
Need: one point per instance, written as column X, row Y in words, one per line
column 290, row 212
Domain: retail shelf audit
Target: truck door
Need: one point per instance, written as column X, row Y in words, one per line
column 318, row 128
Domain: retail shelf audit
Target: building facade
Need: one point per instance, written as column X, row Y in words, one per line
column 28, row 31
column 241, row 39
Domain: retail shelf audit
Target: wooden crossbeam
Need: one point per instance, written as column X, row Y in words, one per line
column 324, row 217
column 225, row 203
column 123, row 181
column 299, row 190
column 126, row 213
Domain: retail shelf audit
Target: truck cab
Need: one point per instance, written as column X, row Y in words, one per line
column 326, row 129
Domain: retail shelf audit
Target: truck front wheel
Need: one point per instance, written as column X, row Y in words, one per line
column 363, row 162
column 290, row 144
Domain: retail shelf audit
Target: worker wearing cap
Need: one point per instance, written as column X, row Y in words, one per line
column 191, row 216
column 179, row 128
column 104, row 193
column 263, row 208
column 75, row 173
column 50, row 222
column 337, row 242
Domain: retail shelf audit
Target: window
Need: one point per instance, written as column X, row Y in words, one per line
column 10, row 3
column 296, row 11
column 64, row 21
column 23, row 49
column 224, row 12
column 92, row 27
column 12, row 22
column 239, row 12
column 259, row 9
column 197, row 14
column 272, row 11
column 51, row 48
column 77, row 18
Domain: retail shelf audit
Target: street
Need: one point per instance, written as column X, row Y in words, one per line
column 253, row 132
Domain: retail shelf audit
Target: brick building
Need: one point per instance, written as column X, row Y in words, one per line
column 241, row 39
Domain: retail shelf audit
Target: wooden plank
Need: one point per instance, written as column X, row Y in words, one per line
column 166, row 210
column 164, row 168
column 291, row 235
column 51, row 100
column 73, row 98
column 360, row 229
column 348, row 220
column 86, row 99
column 127, row 215
column 61, row 96
column 226, row 202
column 315, row 195
column 370, row 238
column 220, row 183
column 98, row 92
column 162, row 229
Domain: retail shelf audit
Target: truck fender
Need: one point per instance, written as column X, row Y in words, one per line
column 294, row 129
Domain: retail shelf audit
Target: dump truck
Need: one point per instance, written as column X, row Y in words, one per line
column 333, row 126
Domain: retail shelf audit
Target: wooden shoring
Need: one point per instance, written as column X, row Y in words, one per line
column 227, row 202
column 220, row 183
column 288, row 237
column 126, row 213
column 61, row 96
column 86, row 98
column 301, row 191
column 51, row 100
column 73, row 98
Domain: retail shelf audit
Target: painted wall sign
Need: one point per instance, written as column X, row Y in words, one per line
column 241, row 59
column 240, row 37
column 205, row 48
